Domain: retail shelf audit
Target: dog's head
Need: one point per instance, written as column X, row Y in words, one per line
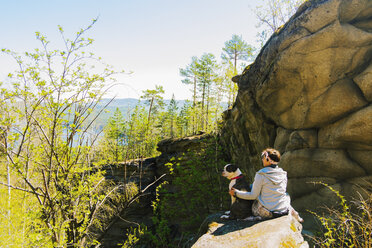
column 230, row 171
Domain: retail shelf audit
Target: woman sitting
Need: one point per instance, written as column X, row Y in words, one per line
column 269, row 189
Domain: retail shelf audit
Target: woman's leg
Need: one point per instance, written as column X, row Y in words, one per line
column 259, row 210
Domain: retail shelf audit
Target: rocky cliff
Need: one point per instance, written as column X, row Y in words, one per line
column 309, row 94
column 280, row 232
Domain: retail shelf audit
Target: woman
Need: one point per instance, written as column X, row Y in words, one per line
column 269, row 189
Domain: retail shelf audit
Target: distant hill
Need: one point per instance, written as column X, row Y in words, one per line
column 125, row 105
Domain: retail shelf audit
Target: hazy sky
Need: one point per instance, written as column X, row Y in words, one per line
column 151, row 38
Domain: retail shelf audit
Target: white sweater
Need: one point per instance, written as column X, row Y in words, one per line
column 269, row 187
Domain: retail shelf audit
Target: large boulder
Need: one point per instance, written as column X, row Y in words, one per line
column 280, row 232
column 309, row 94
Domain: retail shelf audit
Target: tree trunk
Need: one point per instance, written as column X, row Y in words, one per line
column 9, row 197
column 194, row 109
column 3, row 137
column 202, row 110
column 235, row 61
column 149, row 116
column 207, row 112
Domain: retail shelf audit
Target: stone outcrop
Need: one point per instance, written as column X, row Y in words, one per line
column 279, row 232
column 142, row 172
column 179, row 145
column 309, row 94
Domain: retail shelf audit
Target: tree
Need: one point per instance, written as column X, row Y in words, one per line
column 115, row 136
column 172, row 116
column 206, row 75
column 228, row 87
column 154, row 99
column 137, row 140
column 272, row 14
column 236, row 49
column 190, row 77
column 183, row 119
column 49, row 141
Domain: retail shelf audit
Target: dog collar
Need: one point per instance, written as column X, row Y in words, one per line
column 236, row 177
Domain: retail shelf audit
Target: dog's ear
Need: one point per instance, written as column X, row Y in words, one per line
column 231, row 168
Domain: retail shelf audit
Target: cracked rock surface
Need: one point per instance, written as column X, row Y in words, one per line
column 309, row 94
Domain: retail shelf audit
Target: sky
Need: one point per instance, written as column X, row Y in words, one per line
column 153, row 39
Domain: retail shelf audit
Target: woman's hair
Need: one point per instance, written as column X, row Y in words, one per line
column 273, row 154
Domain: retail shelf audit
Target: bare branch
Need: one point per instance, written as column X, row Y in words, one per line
column 22, row 189
column 135, row 197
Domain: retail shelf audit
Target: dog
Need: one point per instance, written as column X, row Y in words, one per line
column 239, row 209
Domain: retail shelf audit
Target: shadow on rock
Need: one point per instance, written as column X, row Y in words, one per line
column 232, row 226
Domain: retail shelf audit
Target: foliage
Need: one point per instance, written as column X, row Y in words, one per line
column 139, row 143
column 236, row 49
column 272, row 14
column 211, row 83
column 115, row 138
column 154, row 99
column 185, row 120
column 49, row 104
column 19, row 223
column 189, row 73
column 135, row 236
column 345, row 228
column 132, row 138
column 228, row 88
column 196, row 191
column 159, row 236
column 169, row 120
column 202, row 72
column 206, row 68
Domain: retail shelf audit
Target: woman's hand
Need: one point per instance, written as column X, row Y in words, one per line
column 232, row 192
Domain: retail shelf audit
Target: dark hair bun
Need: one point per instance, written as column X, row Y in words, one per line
column 273, row 154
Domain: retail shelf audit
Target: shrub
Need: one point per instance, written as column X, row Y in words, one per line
column 195, row 190
column 343, row 227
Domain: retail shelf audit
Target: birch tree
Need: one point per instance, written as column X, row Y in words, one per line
column 48, row 146
column 272, row 14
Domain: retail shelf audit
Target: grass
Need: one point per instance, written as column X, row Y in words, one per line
column 350, row 225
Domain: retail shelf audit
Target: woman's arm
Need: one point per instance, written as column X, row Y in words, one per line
column 256, row 189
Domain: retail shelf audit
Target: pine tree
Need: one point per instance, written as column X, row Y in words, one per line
column 172, row 116
column 190, row 74
column 155, row 102
column 236, row 49
column 115, row 134
column 206, row 75
column 154, row 99
column 184, row 121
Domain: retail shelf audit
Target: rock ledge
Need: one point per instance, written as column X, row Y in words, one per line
column 280, row 232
